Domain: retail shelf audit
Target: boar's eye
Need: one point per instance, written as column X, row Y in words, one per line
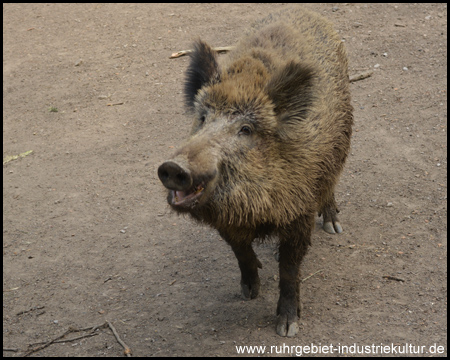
column 202, row 119
column 245, row 130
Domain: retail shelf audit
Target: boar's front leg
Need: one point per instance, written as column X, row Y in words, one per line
column 294, row 242
column 248, row 263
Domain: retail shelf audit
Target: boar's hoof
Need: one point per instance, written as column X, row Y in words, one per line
column 330, row 221
column 286, row 327
column 250, row 291
column 332, row 227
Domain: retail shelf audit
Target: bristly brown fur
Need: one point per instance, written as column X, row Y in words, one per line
column 271, row 132
column 290, row 77
column 202, row 70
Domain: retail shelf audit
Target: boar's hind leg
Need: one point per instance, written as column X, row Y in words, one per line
column 293, row 246
column 249, row 264
column 330, row 221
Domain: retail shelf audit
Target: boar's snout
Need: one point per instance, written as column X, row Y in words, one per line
column 174, row 176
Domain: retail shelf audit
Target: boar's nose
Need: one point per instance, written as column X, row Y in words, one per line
column 174, row 176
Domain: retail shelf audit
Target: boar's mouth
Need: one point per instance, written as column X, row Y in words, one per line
column 185, row 187
column 187, row 198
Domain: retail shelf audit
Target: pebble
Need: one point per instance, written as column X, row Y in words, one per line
column 405, row 68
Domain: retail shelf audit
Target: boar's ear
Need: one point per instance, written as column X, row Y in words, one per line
column 290, row 90
column 202, row 69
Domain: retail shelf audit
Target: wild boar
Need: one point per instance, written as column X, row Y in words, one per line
column 271, row 132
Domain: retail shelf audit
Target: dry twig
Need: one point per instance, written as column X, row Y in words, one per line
column 67, row 340
column 306, row 278
column 58, row 339
column 127, row 350
column 47, row 343
column 353, row 78
column 393, row 278
column 185, row 52
column 32, row 309
column 360, row 76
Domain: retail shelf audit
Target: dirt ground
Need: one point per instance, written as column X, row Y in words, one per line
column 87, row 234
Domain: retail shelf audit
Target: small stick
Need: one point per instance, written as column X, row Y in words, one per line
column 10, row 349
column 26, row 311
column 360, row 76
column 68, row 340
column 353, row 78
column 306, row 278
column 185, row 52
column 71, row 330
column 13, row 289
column 393, row 278
column 127, row 350
column 47, row 343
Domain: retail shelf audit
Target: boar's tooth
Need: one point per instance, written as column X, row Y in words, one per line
column 179, row 195
column 199, row 189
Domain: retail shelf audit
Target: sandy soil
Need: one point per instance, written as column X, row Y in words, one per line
column 87, row 235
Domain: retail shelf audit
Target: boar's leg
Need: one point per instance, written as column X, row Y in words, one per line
column 292, row 248
column 330, row 221
column 249, row 264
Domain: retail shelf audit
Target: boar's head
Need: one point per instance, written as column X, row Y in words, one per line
column 243, row 162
